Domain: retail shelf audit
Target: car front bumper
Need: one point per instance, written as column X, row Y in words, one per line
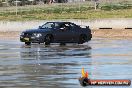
column 31, row 39
column 25, row 39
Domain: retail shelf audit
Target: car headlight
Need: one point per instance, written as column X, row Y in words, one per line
column 37, row 34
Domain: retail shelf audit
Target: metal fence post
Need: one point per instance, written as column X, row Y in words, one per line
column 16, row 7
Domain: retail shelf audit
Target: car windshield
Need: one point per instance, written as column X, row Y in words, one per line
column 49, row 25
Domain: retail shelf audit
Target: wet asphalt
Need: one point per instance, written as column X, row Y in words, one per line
column 55, row 66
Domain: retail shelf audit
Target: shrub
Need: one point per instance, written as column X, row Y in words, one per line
column 116, row 7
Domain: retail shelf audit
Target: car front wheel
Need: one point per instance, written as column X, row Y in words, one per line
column 27, row 43
column 48, row 39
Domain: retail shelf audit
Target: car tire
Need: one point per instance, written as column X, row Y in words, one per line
column 62, row 44
column 27, row 43
column 48, row 39
column 82, row 39
column 90, row 36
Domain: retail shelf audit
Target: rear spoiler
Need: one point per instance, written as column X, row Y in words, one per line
column 87, row 27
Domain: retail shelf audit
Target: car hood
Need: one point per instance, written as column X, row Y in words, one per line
column 36, row 30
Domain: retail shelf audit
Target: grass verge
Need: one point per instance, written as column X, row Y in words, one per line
column 65, row 11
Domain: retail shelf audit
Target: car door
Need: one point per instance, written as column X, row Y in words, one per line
column 75, row 31
column 64, row 33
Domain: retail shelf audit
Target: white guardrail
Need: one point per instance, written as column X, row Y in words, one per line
column 93, row 24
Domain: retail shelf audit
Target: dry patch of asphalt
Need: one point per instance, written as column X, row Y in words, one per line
column 12, row 35
column 112, row 33
column 101, row 33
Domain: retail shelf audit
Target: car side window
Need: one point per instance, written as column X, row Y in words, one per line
column 73, row 25
column 56, row 25
column 48, row 25
column 68, row 26
column 64, row 26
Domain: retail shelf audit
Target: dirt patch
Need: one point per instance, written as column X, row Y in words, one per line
column 9, row 35
column 112, row 33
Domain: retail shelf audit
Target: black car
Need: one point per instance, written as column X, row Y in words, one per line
column 57, row 32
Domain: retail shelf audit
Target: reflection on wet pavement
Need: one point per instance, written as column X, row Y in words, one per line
column 55, row 66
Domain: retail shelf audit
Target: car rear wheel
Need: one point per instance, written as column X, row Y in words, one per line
column 48, row 39
column 82, row 39
column 27, row 43
column 89, row 37
column 62, row 44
